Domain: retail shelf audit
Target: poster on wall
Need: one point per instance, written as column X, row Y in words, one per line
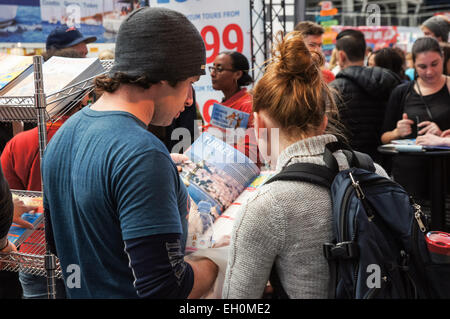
column 30, row 21
column 224, row 26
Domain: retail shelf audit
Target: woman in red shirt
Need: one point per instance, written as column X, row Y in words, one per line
column 229, row 74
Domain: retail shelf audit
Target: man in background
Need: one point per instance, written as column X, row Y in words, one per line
column 363, row 93
column 64, row 37
column 313, row 37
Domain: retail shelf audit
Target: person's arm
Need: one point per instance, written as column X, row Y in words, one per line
column 149, row 191
column 394, row 115
column 160, row 271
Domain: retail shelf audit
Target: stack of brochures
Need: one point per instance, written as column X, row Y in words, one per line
column 409, row 145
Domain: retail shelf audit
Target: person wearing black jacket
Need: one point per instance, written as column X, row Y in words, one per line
column 363, row 93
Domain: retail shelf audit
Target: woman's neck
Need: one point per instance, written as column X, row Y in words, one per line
column 434, row 85
column 230, row 92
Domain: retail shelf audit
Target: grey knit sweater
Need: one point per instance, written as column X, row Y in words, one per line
column 286, row 222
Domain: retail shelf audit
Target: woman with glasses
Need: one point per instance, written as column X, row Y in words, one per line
column 229, row 74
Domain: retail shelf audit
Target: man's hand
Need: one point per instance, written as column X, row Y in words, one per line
column 19, row 209
column 178, row 159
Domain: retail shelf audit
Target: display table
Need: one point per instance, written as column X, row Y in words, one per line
column 437, row 180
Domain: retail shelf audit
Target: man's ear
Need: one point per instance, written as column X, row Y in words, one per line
column 342, row 57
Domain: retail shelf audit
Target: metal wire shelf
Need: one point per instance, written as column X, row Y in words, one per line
column 33, row 256
column 30, row 255
column 22, row 108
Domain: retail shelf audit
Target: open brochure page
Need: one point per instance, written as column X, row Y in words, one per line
column 216, row 173
column 215, row 176
column 224, row 223
column 227, row 117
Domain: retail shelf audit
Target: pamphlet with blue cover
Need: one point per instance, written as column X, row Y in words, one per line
column 227, row 117
column 18, row 235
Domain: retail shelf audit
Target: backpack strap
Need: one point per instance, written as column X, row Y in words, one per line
column 305, row 172
column 354, row 158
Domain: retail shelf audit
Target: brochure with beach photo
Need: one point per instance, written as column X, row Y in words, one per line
column 218, row 177
column 227, row 117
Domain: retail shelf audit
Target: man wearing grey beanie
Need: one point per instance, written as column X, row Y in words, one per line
column 437, row 27
column 116, row 204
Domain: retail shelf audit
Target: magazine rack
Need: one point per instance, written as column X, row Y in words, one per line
column 36, row 258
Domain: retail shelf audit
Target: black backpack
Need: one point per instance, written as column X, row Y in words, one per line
column 379, row 248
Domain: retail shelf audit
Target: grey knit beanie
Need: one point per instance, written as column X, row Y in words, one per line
column 161, row 44
column 439, row 26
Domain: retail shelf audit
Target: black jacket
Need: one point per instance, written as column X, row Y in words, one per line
column 364, row 93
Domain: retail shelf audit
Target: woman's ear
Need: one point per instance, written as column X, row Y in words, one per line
column 238, row 75
column 259, row 123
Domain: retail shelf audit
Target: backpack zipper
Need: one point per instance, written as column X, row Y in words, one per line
column 416, row 252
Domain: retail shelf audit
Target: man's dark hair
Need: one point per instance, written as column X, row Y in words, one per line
column 309, row 28
column 389, row 58
column 107, row 83
column 353, row 43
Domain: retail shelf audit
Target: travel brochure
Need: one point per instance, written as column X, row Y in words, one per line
column 219, row 179
column 227, row 117
column 409, row 145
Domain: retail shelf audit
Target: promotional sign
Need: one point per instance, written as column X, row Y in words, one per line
column 376, row 37
column 327, row 21
column 224, row 26
column 31, row 21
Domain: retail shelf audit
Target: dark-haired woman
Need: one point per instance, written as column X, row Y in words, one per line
column 417, row 108
column 229, row 74
column 286, row 222
column 389, row 58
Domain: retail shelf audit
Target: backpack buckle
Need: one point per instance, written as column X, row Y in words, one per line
column 344, row 250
